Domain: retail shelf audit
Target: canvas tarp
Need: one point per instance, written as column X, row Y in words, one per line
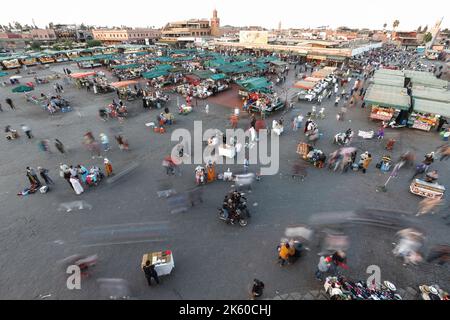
column 390, row 72
column 398, row 99
column 389, row 80
column 155, row 74
column 433, row 107
column 255, row 84
column 127, row 66
column 218, row 76
column 306, row 85
column 430, row 94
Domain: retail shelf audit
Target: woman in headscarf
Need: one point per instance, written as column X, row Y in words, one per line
column 76, row 185
column 211, row 171
column 83, row 173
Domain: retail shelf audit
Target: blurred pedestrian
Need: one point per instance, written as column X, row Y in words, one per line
column 150, row 272
column 10, row 103
column 32, row 177
column 257, row 289
column 44, row 175
column 105, row 141
column 59, row 146
column 440, row 253
column 108, row 167
column 323, row 266
column 27, row 131
column 428, row 205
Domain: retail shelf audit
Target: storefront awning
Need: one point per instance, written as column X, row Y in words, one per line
column 122, row 84
column 82, row 75
column 336, row 58
column 155, row 74
column 314, row 57
column 306, row 85
column 433, row 107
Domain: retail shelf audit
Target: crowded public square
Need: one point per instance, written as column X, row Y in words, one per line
column 224, row 172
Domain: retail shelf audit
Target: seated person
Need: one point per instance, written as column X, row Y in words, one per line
column 431, row 177
column 286, row 251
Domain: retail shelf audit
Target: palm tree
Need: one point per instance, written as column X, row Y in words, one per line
column 395, row 24
column 384, row 25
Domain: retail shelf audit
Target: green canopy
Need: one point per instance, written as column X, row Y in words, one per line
column 2, row 74
column 203, row 74
column 155, row 74
column 255, row 84
column 218, row 76
column 94, row 58
column 127, row 66
column 426, row 93
column 432, row 107
column 22, row 88
column 164, row 59
column 389, row 97
column 166, row 67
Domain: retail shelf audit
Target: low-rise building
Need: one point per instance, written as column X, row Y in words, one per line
column 43, row 34
column 114, row 36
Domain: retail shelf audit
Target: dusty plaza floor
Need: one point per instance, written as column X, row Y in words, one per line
column 212, row 260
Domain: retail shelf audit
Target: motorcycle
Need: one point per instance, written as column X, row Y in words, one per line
column 241, row 214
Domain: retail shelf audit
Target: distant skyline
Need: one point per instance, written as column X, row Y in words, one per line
column 291, row 13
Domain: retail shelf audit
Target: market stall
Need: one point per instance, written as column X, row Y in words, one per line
column 263, row 103
column 28, row 60
column 9, row 62
column 163, row 261
column 386, row 101
column 426, row 114
column 93, row 61
column 255, row 84
column 127, row 71
column 126, row 89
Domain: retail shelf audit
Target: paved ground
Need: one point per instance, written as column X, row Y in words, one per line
column 213, row 260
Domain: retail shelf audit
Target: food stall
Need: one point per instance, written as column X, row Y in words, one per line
column 125, row 89
column 386, row 101
column 81, row 78
column 127, row 71
column 46, row 57
column 163, row 261
column 426, row 113
column 93, row 61
column 9, row 62
column 28, row 60
column 254, row 84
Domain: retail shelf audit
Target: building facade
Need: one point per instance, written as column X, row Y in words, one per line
column 43, row 34
column 188, row 28
column 111, row 36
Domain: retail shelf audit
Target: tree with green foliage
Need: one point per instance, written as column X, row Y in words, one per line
column 93, row 43
column 425, row 29
column 419, row 29
column 395, row 24
column 427, row 37
column 36, row 45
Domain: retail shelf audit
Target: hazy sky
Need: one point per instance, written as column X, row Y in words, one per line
column 292, row 13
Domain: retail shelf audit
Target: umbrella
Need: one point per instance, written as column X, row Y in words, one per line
column 22, row 89
column 2, row 74
column 15, row 77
